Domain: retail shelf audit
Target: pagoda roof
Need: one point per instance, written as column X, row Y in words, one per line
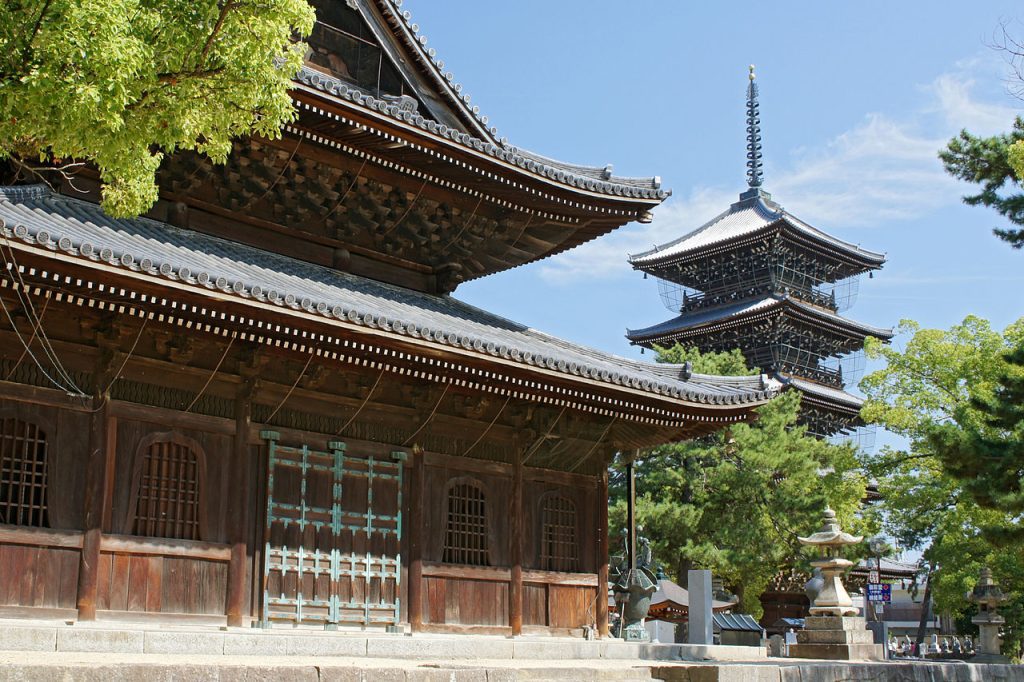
column 824, row 394
column 69, row 228
column 752, row 217
column 749, row 311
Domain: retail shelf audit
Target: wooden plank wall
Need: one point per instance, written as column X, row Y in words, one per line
column 454, row 595
column 161, row 584
column 39, row 568
column 41, row 575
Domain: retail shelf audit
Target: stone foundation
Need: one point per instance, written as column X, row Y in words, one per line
column 836, row 638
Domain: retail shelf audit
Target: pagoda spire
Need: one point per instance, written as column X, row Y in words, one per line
column 755, row 173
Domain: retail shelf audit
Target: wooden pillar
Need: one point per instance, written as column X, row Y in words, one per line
column 97, row 498
column 515, row 589
column 238, row 507
column 417, row 514
column 602, row 554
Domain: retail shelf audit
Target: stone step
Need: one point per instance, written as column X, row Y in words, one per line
column 50, row 637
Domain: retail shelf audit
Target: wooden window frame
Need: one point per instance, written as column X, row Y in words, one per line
column 481, row 538
column 550, row 558
column 42, row 510
column 174, row 438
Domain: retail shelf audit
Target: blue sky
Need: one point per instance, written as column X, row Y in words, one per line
column 856, row 99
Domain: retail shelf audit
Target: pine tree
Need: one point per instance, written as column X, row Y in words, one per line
column 997, row 164
column 735, row 501
column 988, row 458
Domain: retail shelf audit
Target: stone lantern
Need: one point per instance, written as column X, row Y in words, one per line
column 832, row 599
column 833, row 630
column 988, row 596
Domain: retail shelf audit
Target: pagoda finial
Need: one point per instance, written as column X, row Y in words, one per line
column 755, row 174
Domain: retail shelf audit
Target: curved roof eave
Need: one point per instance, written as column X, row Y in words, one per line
column 79, row 230
column 741, row 311
column 547, row 170
column 744, row 220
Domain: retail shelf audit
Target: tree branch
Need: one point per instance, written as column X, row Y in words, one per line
column 224, row 10
column 26, row 52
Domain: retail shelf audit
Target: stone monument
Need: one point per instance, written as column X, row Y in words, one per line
column 988, row 596
column 701, row 623
column 833, row 630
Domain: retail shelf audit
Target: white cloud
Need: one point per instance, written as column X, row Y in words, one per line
column 961, row 110
column 879, row 172
column 883, row 170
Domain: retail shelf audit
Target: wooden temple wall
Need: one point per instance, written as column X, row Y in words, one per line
column 474, row 545
column 142, row 566
column 488, row 588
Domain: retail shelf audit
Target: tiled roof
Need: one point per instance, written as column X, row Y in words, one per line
column 591, row 178
column 80, row 229
column 445, row 80
column 744, row 218
column 832, row 395
column 743, row 309
column 674, row 596
column 602, row 175
column 734, row 622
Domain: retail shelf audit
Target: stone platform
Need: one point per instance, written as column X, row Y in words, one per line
column 102, row 652
column 836, row 638
column 60, row 637
column 86, row 667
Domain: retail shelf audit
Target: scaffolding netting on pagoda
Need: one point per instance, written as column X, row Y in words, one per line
column 837, row 296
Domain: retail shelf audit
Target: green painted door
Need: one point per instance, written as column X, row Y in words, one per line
column 332, row 538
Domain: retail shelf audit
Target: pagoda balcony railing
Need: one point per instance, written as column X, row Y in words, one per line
column 822, row 375
column 691, row 301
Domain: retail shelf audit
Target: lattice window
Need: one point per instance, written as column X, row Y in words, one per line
column 167, row 493
column 558, row 550
column 23, row 473
column 465, row 540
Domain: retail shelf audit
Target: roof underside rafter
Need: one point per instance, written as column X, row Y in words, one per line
column 751, row 312
column 330, row 309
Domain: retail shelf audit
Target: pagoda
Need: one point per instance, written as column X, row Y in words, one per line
column 759, row 279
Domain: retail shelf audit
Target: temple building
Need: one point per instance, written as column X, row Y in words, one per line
column 261, row 404
column 759, row 279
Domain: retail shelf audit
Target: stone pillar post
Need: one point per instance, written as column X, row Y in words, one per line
column 698, row 583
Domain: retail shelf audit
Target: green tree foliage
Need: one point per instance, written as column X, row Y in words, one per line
column 121, row 83
column 730, row 363
column 735, row 502
column 987, row 459
column 943, row 377
column 997, row 164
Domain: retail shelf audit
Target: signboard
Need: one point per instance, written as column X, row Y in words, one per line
column 880, row 592
column 874, row 577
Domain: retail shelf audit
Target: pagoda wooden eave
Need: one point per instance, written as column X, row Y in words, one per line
column 495, row 212
column 713, row 321
column 747, row 223
column 503, row 170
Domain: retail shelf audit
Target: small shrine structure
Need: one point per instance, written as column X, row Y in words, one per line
column 759, row 279
column 261, row 404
